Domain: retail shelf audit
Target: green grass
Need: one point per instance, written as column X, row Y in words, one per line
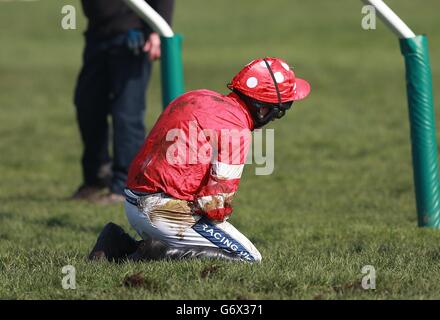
column 341, row 195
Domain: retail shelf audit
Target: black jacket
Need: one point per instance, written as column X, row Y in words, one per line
column 109, row 18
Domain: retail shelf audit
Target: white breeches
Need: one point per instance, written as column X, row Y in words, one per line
column 171, row 220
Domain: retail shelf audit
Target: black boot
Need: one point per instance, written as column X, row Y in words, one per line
column 113, row 244
column 152, row 249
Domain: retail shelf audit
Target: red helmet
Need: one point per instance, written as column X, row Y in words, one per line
column 257, row 80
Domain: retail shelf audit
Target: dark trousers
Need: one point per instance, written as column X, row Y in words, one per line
column 112, row 82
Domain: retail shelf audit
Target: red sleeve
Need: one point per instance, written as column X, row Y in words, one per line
column 214, row 199
column 230, row 127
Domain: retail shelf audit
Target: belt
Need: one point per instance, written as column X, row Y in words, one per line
column 133, row 197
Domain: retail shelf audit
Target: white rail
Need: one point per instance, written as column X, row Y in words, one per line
column 154, row 20
column 391, row 19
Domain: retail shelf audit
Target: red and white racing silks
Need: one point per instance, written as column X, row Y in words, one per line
column 196, row 152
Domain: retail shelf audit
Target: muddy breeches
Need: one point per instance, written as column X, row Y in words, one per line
column 171, row 222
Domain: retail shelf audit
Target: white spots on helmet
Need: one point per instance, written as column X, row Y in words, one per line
column 252, row 82
column 294, row 86
column 279, row 77
column 285, row 66
column 263, row 64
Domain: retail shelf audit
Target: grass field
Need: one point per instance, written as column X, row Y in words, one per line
column 341, row 195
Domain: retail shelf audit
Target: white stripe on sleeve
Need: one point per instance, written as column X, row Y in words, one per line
column 226, row 171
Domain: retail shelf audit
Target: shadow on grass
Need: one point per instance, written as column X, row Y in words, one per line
column 6, row 215
column 63, row 222
column 33, row 198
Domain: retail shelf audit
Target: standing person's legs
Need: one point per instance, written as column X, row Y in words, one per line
column 171, row 221
column 91, row 101
column 129, row 76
